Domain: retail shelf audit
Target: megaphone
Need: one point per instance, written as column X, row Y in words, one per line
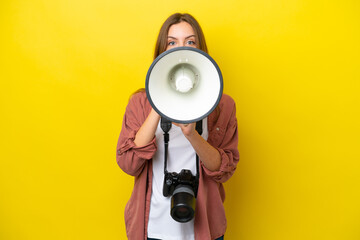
column 184, row 84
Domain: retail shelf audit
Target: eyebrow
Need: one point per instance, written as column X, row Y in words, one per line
column 185, row 38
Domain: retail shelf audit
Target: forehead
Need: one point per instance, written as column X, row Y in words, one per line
column 182, row 29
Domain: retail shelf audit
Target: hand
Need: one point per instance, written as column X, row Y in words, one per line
column 208, row 155
column 187, row 129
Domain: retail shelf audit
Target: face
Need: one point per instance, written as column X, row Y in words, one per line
column 181, row 35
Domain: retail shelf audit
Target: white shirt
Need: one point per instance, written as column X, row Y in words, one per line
column 181, row 155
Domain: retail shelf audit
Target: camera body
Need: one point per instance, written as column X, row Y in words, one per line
column 183, row 188
column 173, row 180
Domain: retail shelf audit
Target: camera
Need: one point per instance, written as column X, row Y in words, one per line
column 183, row 188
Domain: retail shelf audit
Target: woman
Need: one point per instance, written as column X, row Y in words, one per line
column 140, row 153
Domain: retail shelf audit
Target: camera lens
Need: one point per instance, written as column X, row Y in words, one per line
column 183, row 204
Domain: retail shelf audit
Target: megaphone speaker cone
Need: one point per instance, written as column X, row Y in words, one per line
column 183, row 78
column 184, row 84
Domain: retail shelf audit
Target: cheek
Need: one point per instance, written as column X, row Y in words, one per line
column 169, row 47
column 193, row 46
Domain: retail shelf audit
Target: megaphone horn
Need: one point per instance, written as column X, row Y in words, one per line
column 184, row 84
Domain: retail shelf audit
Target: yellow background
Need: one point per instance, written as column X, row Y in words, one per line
column 68, row 68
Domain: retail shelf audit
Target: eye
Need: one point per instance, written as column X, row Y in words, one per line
column 171, row 43
column 191, row 42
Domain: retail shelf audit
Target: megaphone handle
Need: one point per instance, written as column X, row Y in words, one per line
column 165, row 124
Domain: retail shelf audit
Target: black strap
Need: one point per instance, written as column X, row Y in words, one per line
column 165, row 125
column 199, row 129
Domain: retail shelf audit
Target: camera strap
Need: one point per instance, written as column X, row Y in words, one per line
column 165, row 125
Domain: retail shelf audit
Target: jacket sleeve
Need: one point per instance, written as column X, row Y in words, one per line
column 224, row 137
column 130, row 158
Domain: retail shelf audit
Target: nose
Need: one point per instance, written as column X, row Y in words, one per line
column 181, row 44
